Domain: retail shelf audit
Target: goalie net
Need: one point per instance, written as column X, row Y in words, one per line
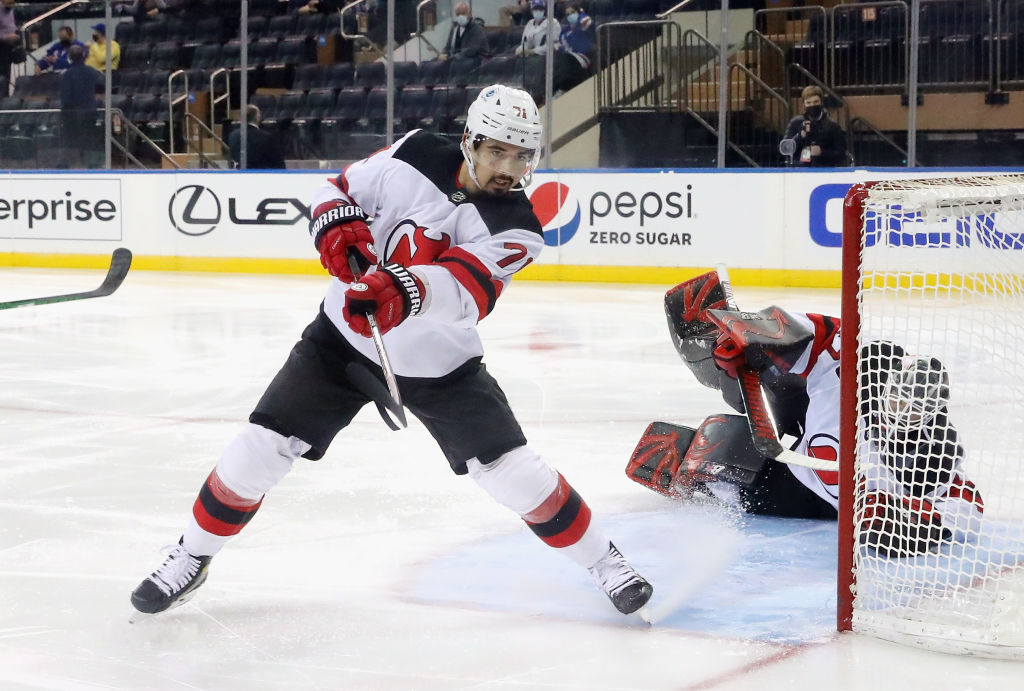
column 937, row 266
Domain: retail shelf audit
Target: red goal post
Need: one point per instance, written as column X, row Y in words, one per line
column 937, row 266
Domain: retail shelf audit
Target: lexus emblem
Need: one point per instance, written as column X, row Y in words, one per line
column 194, row 210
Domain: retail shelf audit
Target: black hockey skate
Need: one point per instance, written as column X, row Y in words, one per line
column 627, row 589
column 172, row 584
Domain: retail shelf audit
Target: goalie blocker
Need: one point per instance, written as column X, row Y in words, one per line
column 719, row 459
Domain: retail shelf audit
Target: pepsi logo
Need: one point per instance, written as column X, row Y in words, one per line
column 558, row 211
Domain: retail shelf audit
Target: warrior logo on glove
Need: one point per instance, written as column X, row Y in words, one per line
column 391, row 294
column 340, row 229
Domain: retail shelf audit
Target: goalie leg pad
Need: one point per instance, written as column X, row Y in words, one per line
column 722, row 450
column 658, row 456
column 673, row 460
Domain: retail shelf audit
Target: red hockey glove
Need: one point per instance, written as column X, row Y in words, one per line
column 339, row 229
column 728, row 355
column 899, row 526
column 390, row 294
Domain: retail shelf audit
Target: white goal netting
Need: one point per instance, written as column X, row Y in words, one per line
column 938, row 534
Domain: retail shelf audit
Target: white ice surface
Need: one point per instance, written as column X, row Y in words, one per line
column 376, row 568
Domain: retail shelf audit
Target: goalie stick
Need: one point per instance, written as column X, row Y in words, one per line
column 388, row 399
column 762, row 428
column 120, row 262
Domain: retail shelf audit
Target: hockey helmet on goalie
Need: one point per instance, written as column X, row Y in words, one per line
column 915, row 393
column 508, row 116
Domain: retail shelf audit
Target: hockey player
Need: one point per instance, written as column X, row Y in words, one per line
column 450, row 227
column 915, row 493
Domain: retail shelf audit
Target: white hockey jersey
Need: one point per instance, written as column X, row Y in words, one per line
column 464, row 248
column 954, row 498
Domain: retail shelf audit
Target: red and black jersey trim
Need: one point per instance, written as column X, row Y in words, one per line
column 569, row 522
column 825, row 330
column 215, row 515
column 341, row 181
column 474, row 277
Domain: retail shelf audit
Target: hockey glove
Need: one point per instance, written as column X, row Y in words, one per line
column 899, row 526
column 728, row 355
column 339, row 229
column 390, row 294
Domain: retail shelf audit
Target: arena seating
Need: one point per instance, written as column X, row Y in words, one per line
column 322, row 104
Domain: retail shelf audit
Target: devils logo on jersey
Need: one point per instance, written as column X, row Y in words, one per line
column 826, row 448
column 409, row 243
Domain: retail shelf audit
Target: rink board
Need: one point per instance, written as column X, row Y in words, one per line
column 773, row 228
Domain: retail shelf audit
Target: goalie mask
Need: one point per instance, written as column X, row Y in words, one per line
column 914, row 394
column 508, row 116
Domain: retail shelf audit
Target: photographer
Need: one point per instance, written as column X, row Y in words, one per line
column 818, row 140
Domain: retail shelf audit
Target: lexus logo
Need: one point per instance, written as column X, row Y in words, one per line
column 194, row 210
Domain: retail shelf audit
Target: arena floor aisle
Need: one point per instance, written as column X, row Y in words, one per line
column 376, row 568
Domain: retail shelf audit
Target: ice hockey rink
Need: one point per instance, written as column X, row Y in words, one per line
column 377, row 568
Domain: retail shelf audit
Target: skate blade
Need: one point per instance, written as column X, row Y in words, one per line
column 645, row 615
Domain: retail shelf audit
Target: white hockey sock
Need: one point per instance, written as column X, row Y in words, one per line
column 521, row 481
column 250, row 466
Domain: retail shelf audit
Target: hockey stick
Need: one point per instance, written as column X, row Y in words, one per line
column 120, row 262
column 386, row 399
column 762, row 429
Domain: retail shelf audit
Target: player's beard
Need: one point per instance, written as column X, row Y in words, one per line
column 500, row 183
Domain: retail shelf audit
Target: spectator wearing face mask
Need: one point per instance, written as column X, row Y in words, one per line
column 97, row 58
column 56, row 57
column 538, row 31
column 819, row 141
column 576, row 48
column 467, row 38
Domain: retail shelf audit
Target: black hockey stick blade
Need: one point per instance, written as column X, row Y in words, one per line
column 120, row 262
column 373, row 387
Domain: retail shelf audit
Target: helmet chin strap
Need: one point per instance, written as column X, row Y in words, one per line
column 527, row 178
column 467, row 154
column 524, row 181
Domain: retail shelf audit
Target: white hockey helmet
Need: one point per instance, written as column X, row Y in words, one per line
column 507, row 115
column 915, row 393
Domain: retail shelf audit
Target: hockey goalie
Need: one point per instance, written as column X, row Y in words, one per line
column 913, row 493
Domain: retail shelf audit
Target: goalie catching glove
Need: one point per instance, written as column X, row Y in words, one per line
column 391, row 294
column 674, row 460
column 340, row 229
